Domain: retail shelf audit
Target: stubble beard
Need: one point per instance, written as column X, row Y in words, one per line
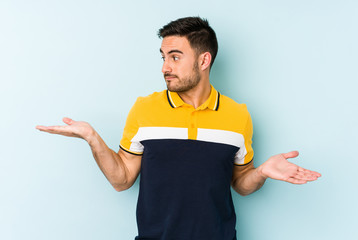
column 187, row 83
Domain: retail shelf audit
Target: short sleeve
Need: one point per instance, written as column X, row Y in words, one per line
column 130, row 130
column 246, row 154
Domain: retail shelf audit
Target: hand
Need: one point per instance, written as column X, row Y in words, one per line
column 277, row 167
column 72, row 129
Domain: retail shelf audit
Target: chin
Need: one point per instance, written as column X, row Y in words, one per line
column 171, row 88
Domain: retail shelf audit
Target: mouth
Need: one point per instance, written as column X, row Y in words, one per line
column 169, row 77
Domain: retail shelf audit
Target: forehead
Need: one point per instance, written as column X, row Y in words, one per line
column 175, row 43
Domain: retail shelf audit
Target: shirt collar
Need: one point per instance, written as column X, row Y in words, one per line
column 212, row 102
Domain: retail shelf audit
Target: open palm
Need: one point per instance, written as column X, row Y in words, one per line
column 73, row 128
column 277, row 167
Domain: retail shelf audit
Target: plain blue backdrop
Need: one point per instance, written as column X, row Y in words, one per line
column 294, row 63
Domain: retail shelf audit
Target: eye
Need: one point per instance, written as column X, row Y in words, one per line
column 163, row 58
column 175, row 58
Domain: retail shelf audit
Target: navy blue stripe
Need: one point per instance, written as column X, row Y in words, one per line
column 138, row 154
column 217, row 105
column 170, row 103
column 243, row 164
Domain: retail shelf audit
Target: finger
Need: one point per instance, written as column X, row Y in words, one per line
column 46, row 128
column 295, row 180
column 292, row 154
column 40, row 127
column 309, row 172
column 54, row 129
column 68, row 121
column 306, row 177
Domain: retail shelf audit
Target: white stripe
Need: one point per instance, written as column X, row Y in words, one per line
column 225, row 137
column 171, row 100
column 221, row 136
column 146, row 133
column 240, row 156
column 207, row 135
column 216, row 101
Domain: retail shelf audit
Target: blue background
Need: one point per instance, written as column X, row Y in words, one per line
column 294, row 63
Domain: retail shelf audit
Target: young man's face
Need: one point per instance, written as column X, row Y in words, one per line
column 180, row 66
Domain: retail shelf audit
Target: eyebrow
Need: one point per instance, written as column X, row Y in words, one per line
column 172, row 51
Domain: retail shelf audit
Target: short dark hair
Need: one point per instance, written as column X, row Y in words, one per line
column 200, row 35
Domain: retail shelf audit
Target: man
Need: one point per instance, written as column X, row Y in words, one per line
column 189, row 143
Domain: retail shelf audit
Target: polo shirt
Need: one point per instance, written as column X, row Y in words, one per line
column 188, row 156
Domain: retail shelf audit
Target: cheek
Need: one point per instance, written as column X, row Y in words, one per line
column 186, row 69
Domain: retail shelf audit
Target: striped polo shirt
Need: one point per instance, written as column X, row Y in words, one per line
column 188, row 157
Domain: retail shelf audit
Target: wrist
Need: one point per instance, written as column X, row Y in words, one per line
column 91, row 136
column 260, row 172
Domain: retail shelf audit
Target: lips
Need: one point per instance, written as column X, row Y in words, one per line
column 169, row 77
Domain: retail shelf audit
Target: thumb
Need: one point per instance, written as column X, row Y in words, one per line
column 68, row 121
column 292, row 154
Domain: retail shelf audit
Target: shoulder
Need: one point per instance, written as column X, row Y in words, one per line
column 149, row 109
column 230, row 106
column 150, row 100
column 236, row 115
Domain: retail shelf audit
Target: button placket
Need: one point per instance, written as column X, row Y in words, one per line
column 192, row 128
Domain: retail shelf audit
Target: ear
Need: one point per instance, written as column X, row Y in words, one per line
column 204, row 61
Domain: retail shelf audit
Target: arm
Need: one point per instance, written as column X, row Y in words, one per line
column 121, row 169
column 247, row 179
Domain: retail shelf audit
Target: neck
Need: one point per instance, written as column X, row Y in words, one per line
column 197, row 95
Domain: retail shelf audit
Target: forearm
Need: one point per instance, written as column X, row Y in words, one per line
column 248, row 181
column 110, row 163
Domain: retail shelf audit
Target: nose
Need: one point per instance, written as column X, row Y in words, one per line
column 166, row 67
